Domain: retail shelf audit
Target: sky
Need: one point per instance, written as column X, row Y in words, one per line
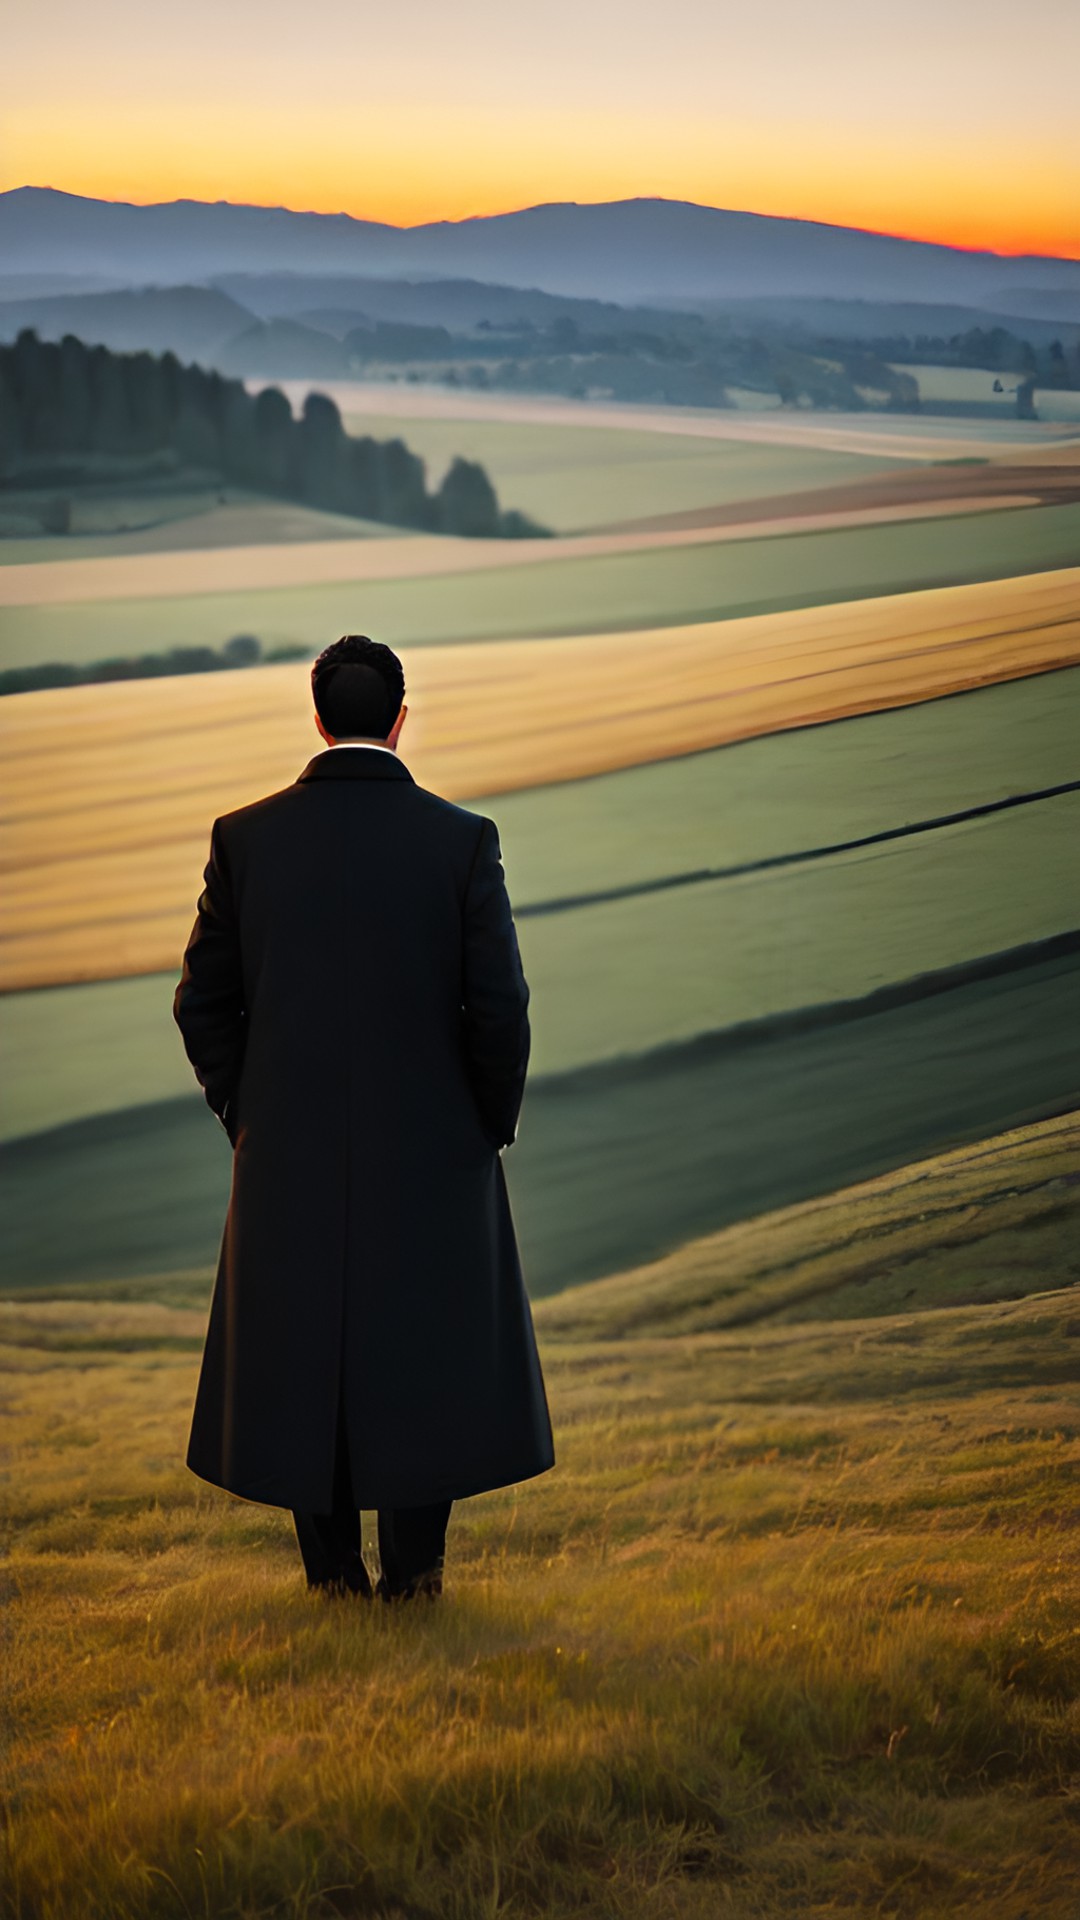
column 949, row 120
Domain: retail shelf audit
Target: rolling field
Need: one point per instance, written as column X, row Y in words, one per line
column 642, row 1152
column 366, row 405
column 274, row 565
column 94, row 1048
column 105, row 846
column 571, row 478
column 184, row 524
column 813, row 787
column 790, row 1628
column 944, row 1232
column 649, row 585
column 692, row 959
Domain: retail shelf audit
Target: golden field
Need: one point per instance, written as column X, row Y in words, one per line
column 111, row 789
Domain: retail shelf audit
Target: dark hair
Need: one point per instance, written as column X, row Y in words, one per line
column 358, row 686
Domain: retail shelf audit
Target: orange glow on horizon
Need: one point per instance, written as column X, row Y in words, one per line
column 941, row 190
column 968, row 230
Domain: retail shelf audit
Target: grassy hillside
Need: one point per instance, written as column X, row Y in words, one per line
column 790, row 1628
column 992, row 1221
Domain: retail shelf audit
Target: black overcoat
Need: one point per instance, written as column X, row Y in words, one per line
column 353, row 1003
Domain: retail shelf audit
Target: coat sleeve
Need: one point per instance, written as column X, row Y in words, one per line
column 496, row 996
column 208, row 1005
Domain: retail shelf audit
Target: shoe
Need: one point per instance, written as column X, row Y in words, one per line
column 352, row 1579
column 356, row 1577
column 428, row 1584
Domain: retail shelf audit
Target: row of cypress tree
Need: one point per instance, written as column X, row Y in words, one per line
column 65, row 398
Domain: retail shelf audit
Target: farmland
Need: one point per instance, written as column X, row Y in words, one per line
column 124, row 818
column 531, row 673
column 642, row 1151
column 654, row 585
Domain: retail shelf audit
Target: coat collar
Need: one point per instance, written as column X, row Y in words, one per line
column 358, row 764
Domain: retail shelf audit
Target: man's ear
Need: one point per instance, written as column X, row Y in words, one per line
column 318, row 722
column 392, row 736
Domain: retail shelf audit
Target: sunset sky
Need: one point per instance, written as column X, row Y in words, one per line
column 951, row 120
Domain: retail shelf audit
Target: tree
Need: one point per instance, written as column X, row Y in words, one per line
column 272, row 431
column 111, row 431
column 239, row 440
column 243, row 650
column 365, row 478
column 11, row 426
column 1025, row 399
column 404, row 496
column 320, row 452
column 75, row 397
column 466, row 501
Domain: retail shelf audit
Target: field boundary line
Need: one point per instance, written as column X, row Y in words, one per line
column 696, row 876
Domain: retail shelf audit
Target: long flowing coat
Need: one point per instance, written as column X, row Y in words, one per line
column 353, row 1003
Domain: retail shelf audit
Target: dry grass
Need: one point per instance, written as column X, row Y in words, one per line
column 111, row 789
column 790, row 1630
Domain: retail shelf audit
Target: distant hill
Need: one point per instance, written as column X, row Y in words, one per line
column 193, row 322
column 1052, row 304
column 871, row 319
column 631, row 250
column 457, row 304
column 283, row 350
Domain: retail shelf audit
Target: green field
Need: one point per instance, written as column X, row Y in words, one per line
column 789, row 1629
column 628, row 975
column 968, row 385
column 1054, row 404
column 965, row 384
column 187, row 523
column 622, row 976
column 811, row 787
column 650, row 587
column 573, row 477
column 641, row 1153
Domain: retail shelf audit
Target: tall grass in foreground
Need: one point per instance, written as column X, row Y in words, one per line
column 790, row 1630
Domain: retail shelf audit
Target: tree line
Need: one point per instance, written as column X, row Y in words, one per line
column 243, row 650
column 995, row 349
column 65, row 397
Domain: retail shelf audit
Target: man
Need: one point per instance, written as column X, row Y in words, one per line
column 353, row 1003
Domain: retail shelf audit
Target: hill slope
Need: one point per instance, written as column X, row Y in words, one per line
column 991, row 1221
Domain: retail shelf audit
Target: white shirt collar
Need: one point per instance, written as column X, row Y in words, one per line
column 373, row 744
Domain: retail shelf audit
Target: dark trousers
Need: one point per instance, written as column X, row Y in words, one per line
column 411, row 1539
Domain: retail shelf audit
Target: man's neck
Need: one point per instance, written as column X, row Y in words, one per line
column 379, row 745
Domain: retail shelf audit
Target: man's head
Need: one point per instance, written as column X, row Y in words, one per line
column 358, row 688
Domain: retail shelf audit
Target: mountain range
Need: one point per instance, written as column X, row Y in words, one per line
column 645, row 250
